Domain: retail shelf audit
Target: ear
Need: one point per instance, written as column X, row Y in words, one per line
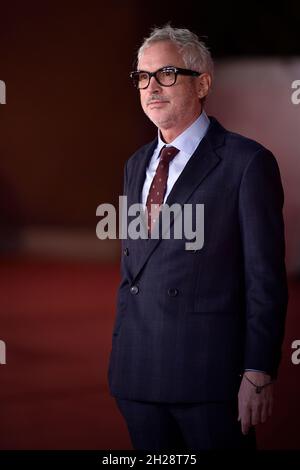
column 203, row 85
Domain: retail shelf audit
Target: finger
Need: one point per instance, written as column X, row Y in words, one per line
column 246, row 426
column 246, row 420
column 256, row 414
column 239, row 413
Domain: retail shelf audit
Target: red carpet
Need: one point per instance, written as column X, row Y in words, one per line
column 56, row 320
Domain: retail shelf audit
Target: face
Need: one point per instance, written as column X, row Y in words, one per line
column 175, row 107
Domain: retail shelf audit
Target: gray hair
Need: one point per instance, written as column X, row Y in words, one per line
column 195, row 53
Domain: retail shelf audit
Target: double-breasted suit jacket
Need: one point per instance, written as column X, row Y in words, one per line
column 188, row 322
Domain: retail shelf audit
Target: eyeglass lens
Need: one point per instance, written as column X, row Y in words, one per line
column 164, row 77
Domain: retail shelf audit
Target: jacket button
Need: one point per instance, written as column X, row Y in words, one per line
column 134, row 290
column 172, row 292
column 126, row 252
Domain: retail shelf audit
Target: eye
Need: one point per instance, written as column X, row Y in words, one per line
column 143, row 76
column 167, row 76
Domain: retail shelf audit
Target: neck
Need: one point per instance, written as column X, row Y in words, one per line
column 170, row 133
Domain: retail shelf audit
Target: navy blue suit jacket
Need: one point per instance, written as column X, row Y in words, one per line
column 189, row 322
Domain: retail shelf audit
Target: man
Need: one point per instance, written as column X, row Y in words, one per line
column 198, row 333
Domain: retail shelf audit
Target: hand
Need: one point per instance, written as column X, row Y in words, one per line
column 254, row 408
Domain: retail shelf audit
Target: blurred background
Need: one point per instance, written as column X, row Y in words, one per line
column 71, row 120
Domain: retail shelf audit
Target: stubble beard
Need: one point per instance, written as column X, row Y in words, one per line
column 162, row 122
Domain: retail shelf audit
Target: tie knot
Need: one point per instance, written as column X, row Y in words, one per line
column 168, row 153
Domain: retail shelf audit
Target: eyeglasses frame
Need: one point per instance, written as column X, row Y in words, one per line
column 171, row 68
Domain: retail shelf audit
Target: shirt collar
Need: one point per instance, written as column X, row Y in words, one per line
column 190, row 138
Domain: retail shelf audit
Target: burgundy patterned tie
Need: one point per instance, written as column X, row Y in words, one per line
column 159, row 185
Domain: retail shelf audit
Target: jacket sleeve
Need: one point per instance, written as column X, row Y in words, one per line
column 262, row 231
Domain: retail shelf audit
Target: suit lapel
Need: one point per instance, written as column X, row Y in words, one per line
column 140, row 172
column 201, row 164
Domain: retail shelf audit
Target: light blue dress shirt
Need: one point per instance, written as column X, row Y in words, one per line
column 186, row 143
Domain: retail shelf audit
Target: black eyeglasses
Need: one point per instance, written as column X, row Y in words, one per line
column 166, row 76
